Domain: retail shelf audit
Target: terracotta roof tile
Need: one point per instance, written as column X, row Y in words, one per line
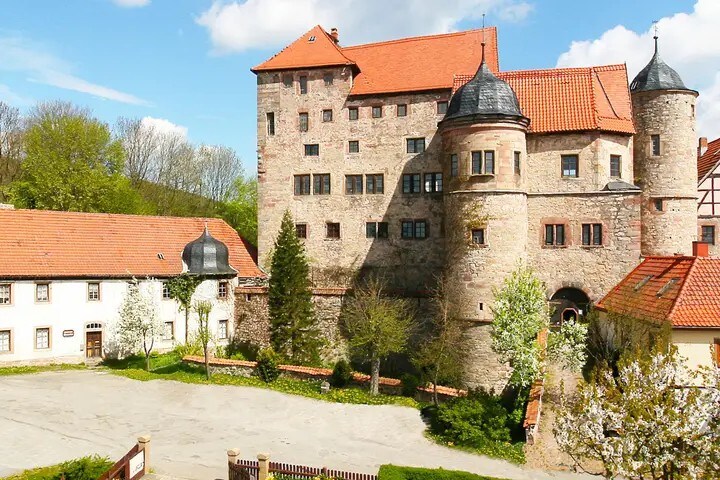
column 47, row 244
column 684, row 290
column 709, row 159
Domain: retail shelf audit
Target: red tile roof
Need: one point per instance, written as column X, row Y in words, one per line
column 47, row 244
column 709, row 159
column 571, row 99
column 405, row 65
column 683, row 290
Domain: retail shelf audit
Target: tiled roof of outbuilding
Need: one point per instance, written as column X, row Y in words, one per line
column 683, row 290
column 47, row 244
column 709, row 159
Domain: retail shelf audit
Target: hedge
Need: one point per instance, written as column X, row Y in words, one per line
column 392, row 472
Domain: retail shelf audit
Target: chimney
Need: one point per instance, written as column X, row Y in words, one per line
column 336, row 38
column 702, row 146
column 700, row 249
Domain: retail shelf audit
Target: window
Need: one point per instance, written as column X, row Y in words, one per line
column 442, row 107
column 516, row 158
column 270, row 116
column 5, row 293
column 353, row 113
column 476, row 163
column 301, row 230
column 328, row 79
column 415, row 145
column 487, row 158
column 555, row 235
column 478, row 236
column 411, row 183
column 402, row 110
column 304, row 119
column 42, row 292
column 569, row 166
column 353, row 146
column 303, row 85
column 42, row 338
column 321, row 184
column 592, row 234
column 414, row 229
column 454, row 166
column 332, row 230
column 353, row 184
column 377, row 112
column 169, row 331
column 490, row 162
column 433, row 182
column 708, row 234
column 302, row 184
column 615, row 166
column 327, row 116
column 223, row 329
column 93, row 292
column 5, row 341
column 166, row 291
column 376, row 230
column 374, row 183
column 223, row 287
column 655, row 144
column 659, row 204
column 312, row 150
column 288, row 80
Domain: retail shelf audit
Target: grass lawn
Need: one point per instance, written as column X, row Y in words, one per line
column 512, row 452
column 21, row 370
column 85, row 468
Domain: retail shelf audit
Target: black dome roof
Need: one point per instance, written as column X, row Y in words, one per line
column 485, row 95
column 657, row 75
column 207, row 256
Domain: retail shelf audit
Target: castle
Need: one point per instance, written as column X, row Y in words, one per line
column 395, row 157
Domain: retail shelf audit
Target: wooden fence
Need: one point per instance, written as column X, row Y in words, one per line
column 258, row 470
column 133, row 465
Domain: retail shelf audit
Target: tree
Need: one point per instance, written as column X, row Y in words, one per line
column 139, row 325
column 241, row 209
column 377, row 325
column 220, row 167
column 520, row 313
column 292, row 322
column 11, row 137
column 443, row 353
column 182, row 288
column 203, row 309
column 646, row 423
column 567, row 345
column 141, row 143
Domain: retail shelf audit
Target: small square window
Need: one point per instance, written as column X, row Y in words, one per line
column 476, row 163
column 353, row 113
column 302, row 184
column 659, row 204
column 223, row 288
column 374, row 183
column 5, row 293
column 569, row 166
column 288, row 80
column 442, row 107
column 169, row 331
column 166, row 291
column 270, row 116
column 420, row 229
column 353, row 184
column 42, row 338
column 327, row 116
column 411, row 183
column 516, row 158
column 93, row 292
column 433, row 182
column 301, row 230
column 402, row 110
column 415, row 145
column 592, row 234
column 407, row 229
column 303, row 122
column 42, row 292
column 370, row 229
column 312, row 150
column 332, row 230
column 655, row 144
column 303, row 85
column 328, row 79
column 223, row 329
column 555, row 235
column 454, row 166
column 377, row 112
column 5, row 341
column 478, row 236
column 321, row 184
column 353, row 146
column 708, row 234
column 489, row 162
column 382, row 230
column 615, row 162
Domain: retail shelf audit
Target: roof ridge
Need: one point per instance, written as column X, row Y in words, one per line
column 334, row 43
column 419, row 37
column 563, row 70
column 107, row 214
column 685, row 281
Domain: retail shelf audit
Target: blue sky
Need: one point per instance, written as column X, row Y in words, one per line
column 188, row 61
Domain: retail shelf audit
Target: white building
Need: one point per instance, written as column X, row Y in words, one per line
column 63, row 277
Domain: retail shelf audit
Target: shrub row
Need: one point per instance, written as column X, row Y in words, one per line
column 392, row 472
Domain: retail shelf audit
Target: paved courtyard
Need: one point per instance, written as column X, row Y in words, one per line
column 52, row 417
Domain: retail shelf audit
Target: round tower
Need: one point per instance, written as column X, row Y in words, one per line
column 665, row 159
column 486, row 220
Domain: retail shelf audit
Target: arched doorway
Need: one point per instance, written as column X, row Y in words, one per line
column 568, row 304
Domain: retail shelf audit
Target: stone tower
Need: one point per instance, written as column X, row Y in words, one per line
column 486, row 220
column 665, row 160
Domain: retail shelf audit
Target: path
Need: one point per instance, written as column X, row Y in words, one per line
column 52, row 417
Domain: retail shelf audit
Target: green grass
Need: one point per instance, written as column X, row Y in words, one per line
column 85, row 468
column 22, row 370
column 512, row 452
column 393, row 472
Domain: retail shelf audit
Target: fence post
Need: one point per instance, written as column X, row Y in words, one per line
column 233, row 455
column 143, row 443
column 263, row 466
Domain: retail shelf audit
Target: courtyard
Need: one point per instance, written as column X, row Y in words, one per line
column 55, row 416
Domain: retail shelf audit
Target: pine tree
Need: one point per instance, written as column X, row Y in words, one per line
column 292, row 322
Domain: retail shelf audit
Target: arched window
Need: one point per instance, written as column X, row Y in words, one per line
column 568, row 304
column 93, row 326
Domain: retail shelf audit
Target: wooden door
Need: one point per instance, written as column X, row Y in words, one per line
column 93, row 344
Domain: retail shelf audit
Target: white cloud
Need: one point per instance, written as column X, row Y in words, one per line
column 131, row 3
column 236, row 26
column 19, row 55
column 12, row 98
column 161, row 125
column 686, row 44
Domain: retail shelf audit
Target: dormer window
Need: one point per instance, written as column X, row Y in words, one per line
column 642, row 282
column 311, row 39
column 667, row 287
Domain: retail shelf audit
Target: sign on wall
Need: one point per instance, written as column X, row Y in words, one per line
column 68, row 333
column 137, row 463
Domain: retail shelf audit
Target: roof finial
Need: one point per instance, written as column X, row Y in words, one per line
column 206, row 232
column 482, row 60
column 655, row 37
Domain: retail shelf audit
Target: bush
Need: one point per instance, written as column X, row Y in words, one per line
column 268, row 365
column 85, row 468
column 473, row 420
column 341, row 375
column 192, row 347
column 244, row 350
column 392, row 472
column 410, row 384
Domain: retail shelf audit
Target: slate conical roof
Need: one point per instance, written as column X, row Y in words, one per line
column 207, row 256
column 657, row 75
column 484, row 96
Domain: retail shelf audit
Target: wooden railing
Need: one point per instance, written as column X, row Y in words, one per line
column 133, row 465
column 239, row 469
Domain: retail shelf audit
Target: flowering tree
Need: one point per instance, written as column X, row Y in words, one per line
column 203, row 309
column 567, row 345
column 647, row 423
column 139, row 325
